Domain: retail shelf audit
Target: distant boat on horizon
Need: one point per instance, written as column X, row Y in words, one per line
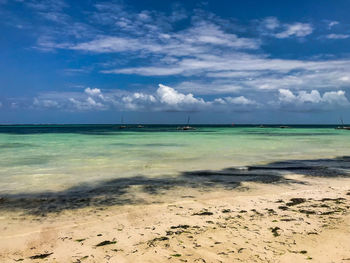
column 122, row 126
column 187, row 127
column 342, row 127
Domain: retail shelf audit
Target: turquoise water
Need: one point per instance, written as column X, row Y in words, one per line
column 53, row 158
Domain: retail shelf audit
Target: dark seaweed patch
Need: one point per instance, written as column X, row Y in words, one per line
column 295, row 201
column 204, row 213
column 105, row 243
column 41, row 256
column 275, row 230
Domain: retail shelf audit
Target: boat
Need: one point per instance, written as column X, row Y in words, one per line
column 187, row 127
column 342, row 127
column 284, row 127
column 122, row 126
column 140, row 126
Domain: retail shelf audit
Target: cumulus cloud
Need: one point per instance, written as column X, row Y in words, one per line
column 87, row 104
column 241, row 100
column 172, row 97
column 164, row 98
column 336, row 97
column 94, row 93
column 312, row 100
column 138, row 101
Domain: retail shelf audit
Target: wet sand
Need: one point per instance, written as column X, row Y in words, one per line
column 304, row 220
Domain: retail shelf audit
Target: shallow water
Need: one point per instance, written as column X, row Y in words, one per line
column 54, row 158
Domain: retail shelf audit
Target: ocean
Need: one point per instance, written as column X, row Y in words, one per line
column 49, row 158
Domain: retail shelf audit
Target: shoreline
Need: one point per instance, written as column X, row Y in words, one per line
column 247, row 224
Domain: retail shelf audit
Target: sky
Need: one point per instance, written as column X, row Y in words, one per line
column 154, row 61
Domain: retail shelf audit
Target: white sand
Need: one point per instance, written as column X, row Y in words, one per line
column 240, row 228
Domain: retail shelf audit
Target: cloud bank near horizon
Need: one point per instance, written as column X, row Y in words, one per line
column 165, row 98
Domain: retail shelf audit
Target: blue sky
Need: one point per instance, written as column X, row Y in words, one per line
column 160, row 61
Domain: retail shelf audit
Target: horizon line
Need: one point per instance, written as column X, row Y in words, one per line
column 139, row 123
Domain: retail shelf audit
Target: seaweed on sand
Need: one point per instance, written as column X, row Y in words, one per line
column 296, row 201
column 204, row 213
column 151, row 243
column 41, row 256
column 106, row 242
column 274, row 231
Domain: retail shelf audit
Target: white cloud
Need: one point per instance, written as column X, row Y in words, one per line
column 271, row 26
column 336, row 97
column 296, row 29
column 345, row 78
column 45, row 103
column 209, row 87
column 147, row 71
column 230, row 73
column 241, row 100
column 94, row 92
column 286, row 95
column 332, row 24
column 271, row 23
column 312, row 100
column 313, row 97
column 87, row 104
column 237, row 104
column 107, row 44
column 209, row 33
column 164, row 98
column 168, row 99
column 199, row 38
column 172, row 97
column 337, row 36
column 138, row 101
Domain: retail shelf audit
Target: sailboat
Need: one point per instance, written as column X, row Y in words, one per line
column 122, row 126
column 342, row 127
column 187, row 127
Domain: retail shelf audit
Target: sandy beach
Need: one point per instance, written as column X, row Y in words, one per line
column 304, row 220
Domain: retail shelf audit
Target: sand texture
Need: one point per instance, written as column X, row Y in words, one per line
column 307, row 220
